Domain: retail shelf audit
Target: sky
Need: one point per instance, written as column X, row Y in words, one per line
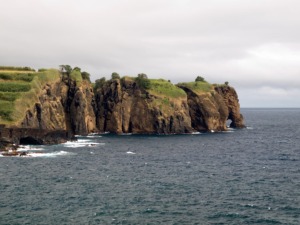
column 252, row 44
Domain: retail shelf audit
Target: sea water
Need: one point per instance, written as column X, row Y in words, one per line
column 246, row 176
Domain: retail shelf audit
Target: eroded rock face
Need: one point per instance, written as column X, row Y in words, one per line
column 232, row 103
column 208, row 110
column 64, row 106
column 81, row 110
column 123, row 107
column 48, row 113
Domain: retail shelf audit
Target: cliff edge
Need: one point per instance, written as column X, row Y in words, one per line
column 67, row 102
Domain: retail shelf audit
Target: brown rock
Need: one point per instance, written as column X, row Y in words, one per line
column 124, row 107
column 232, row 102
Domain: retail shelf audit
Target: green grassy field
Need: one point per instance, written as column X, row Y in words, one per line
column 19, row 89
column 197, row 86
column 164, row 88
column 28, row 77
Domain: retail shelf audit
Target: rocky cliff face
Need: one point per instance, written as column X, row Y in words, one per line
column 64, row 105
column 124, row 107
column 208, row 110
column 230, row 98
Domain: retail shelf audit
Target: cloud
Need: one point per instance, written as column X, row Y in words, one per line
column 251, row 43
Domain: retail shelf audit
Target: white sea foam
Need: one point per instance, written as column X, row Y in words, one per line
column 74, row 144
column 26, row 148
column 132, row 153
column 228, row 131
column 82, row 140
column 196, row 133
column 81, row 143
column 50, row 154
column 93, row 136
column 43, row 154
column 249, row 128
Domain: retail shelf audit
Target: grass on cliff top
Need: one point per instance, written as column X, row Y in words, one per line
column 165, row 88
column 197, row 86
column 13, row 68
column 27, row 77
column 19, row 92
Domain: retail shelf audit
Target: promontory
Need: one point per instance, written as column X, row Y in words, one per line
column 52, row 105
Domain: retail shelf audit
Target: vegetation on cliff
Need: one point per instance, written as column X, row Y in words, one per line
column 65, row 99
column 19, row 90
column 197, row 86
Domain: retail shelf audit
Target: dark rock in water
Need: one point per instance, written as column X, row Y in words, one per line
column 9, row 136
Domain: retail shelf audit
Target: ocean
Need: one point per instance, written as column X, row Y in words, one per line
column 243, row 176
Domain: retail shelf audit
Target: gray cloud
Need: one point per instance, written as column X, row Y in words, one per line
column 253, row 44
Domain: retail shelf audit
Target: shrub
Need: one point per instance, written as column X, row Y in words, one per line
column 65, row 69
column 99, row 83
column 14, row 87
column 26, row 68
column 6, row 109
column 9, row 96
column 199, row 78
column 5, row 76
column 76, row 75
column 142, row 75
column 115, row 75
column 86, row 76
column 143, row 81
column 42, row 70
column 28, row 77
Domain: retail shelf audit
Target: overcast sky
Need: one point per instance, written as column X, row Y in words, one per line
column 252, row 44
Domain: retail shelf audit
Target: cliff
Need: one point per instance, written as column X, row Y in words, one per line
column 124, row 107
column 52, row 109
column 65, row 103
column 211, row 106
column 230, row 98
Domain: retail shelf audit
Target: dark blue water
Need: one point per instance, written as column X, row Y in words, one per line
column 248, row 176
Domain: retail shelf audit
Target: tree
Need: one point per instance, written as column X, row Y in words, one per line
column 77, row 69
column 143, row 81
column 66, row 69
column 199, row 78
column 142, row 75
column 115, row 75
column 226, row 83
column 76, row 75
column 86, row 76
column 99, row 83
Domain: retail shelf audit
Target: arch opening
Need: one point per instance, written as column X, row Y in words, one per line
column 228, row 123
column 29, row 141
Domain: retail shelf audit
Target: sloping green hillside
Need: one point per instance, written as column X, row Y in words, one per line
column 19, row 90
column 197, row 86
column 165, row 88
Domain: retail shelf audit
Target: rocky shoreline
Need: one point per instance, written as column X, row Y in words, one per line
column 11, row 138
column 66, row 108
